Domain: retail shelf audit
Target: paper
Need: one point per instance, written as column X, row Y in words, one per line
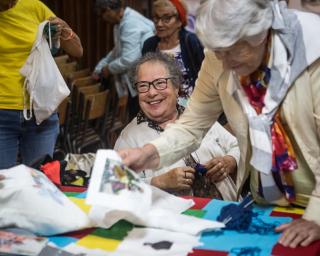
column 114, row 186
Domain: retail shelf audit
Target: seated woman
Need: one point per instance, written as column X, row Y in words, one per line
column 157, row 79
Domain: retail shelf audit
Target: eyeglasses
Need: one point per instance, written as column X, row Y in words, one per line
column 164, row 19
column 159, row 84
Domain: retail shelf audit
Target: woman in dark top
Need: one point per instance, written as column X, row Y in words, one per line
column 170, row 18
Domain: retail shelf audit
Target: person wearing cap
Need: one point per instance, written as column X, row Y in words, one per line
column 262, row 68
column 170, row 19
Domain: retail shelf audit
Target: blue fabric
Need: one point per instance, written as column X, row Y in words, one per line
column 226, row 240
column 191, row 51
column 31, row 140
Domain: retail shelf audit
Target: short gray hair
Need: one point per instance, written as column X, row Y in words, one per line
column 111, row 4
column 221, row 23
column 168, row 62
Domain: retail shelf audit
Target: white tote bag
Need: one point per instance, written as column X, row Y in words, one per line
column 43, row 80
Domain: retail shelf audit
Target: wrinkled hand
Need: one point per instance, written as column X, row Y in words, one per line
column 140, row 159
column 298, row 232
column 180, row 178
column 95, row 76
column 63, row 29
column 105, row 71
column 220, row 167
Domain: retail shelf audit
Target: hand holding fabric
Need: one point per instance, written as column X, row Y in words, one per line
column 105, row 71
column 177, row 179
column 95, row 76
column 139, row 159
column 1, row 177
column 220, row 167
column 298, row 232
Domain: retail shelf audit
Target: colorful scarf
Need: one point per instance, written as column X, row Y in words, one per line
column 283, row 157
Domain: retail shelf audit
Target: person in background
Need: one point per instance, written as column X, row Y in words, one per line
column 170, row 19
column 19, row 21
column 261, row 67
column 158, row 79
column 130, row 30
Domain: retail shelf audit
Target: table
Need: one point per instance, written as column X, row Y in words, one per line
column 213, row 244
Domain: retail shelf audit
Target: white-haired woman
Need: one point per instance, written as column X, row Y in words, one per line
column 262, row 68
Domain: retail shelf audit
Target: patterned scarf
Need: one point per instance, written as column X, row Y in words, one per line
column 283, row 157
column 294, row 48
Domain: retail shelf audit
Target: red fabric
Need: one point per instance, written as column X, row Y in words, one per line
column 52, row 171
column 285, row 214
column 181, row 11
column 311, row 250
column 199, row 202
column 198, row 252
column 72, row 189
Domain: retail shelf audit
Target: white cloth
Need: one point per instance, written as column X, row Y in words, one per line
column 29, row 200
column 147, row 206
column 143, row 241
column 217, row 142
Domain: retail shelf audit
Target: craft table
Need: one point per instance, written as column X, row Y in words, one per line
column 221, row 244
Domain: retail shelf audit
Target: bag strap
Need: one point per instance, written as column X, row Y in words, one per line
column 27, row 114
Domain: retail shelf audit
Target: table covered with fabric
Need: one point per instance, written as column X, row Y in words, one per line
column 100, row 241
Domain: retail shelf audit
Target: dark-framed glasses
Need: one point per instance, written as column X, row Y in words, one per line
column 164, row 19
column 158, row 84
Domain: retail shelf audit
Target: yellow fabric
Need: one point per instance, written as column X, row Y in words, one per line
column 96, row 242
column 18, row 29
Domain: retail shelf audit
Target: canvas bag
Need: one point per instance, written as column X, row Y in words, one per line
column 43, row 80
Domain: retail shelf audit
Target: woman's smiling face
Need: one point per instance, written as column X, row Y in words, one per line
column 157, row 105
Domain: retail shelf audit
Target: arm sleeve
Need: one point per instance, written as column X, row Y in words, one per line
column 104, row 61
column 130, row 38
column 43, row 12
column 312, row 211
column 202, row 111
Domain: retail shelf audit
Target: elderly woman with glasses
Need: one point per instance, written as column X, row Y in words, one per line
column 261, row 68
column 170, row 18
column 157, row 80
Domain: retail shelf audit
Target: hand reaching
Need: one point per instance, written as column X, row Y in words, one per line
column 140, row 158
column 298, row 232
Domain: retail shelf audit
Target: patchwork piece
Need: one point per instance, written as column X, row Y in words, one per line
column 123, row 235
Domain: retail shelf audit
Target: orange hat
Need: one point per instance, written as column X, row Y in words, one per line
column 181, row 11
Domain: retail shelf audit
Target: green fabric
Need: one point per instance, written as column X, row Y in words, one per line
column 118, row 231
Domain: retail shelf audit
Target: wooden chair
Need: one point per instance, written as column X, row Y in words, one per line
column 67, row 68
column 62, row 59
column 90, row 132
column 78, row 74
column 120, row 120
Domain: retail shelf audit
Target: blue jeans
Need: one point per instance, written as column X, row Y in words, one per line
column 31, row 140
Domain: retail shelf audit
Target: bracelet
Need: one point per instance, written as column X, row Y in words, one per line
column 70, row 36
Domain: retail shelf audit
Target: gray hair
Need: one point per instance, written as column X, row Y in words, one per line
column 221, row 23
column 168, row 62
column 110, row 4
